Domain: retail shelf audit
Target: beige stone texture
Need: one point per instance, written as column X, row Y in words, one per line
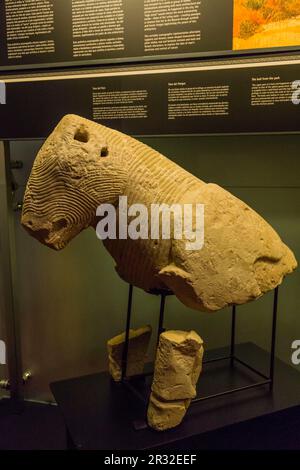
column 83, row 164
column 178, row 366
column 137, row 351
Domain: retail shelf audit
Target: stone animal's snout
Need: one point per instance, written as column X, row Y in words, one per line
column 52, row 234
column 45, row 214
column 74, row 172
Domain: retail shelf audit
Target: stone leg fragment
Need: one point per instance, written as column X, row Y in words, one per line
column 137, row 350
column 177, row 368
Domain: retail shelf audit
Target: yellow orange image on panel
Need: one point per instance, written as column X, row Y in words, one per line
column 266, row 23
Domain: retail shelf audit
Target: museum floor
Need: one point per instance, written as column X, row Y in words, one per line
column 41, row 427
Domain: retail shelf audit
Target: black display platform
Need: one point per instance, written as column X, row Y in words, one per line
column 99, row 414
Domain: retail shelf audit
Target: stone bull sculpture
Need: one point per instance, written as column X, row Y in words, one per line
column 83, row 164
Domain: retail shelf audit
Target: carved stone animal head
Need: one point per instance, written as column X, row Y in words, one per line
column 75, row 171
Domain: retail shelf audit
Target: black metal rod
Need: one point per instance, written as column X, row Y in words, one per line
column 273, row 342
column 209, row 361
column 136, row 392
column 251, row 368
column 217, row 359
column 161, row 316
column 126, row 343
column 233, row 328
column 267, row 381
column 229, row 392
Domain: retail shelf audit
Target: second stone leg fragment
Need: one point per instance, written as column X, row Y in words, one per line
column 178, row 365
column 137, row 352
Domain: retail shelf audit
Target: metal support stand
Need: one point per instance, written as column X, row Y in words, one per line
column 128, row 321
column 161, row 316
column 273, row 344
column 265, row 379
column 233, row 323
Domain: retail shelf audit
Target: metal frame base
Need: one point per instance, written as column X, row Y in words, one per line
column 266, row 379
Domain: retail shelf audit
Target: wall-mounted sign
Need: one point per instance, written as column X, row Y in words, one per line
column 40, row 33
column 229, row 98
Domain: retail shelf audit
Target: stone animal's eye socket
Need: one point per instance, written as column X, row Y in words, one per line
column 81, row 135
column 104, row 152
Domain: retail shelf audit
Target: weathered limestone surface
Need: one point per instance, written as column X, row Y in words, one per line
column 137, row 351
column 83, row 164
column 178, row 365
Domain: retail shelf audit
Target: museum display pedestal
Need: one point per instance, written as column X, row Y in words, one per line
column 100, row 414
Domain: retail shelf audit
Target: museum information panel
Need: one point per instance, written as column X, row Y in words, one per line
column 247, row 98
column 55, row 32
